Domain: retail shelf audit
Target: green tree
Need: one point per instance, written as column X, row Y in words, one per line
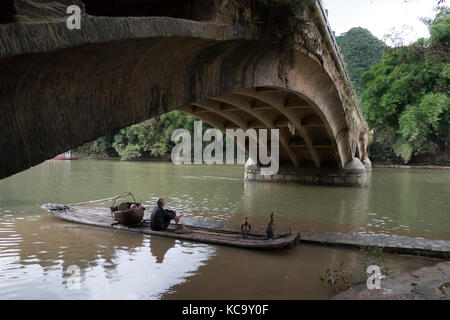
column 100, row 148
column 409, row 93
column 361, row 50
column 149, row 139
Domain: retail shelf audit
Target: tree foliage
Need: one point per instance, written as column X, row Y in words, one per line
column 149, row 139
column 361, row 50
column 408, row 91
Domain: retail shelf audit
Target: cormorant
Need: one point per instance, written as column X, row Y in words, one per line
column 270, row 231
column 245, row 228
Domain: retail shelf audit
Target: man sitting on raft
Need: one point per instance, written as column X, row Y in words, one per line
column 160, row 218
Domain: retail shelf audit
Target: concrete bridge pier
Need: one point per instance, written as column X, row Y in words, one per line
column 354, row 174
column 368, row 164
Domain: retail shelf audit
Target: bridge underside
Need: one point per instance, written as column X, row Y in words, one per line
column 308, row 149
column 304, row 144
column 57, row 96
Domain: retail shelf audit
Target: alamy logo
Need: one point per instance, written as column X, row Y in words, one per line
column 74, row 280
column 374, row 281
column 74, row 20
column 258, row 150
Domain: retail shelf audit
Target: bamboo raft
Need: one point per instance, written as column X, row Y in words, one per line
column 101, row 217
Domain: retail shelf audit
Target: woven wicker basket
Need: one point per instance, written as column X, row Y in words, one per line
column 126, row 216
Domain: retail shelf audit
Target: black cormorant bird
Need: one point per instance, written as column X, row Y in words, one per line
column 270, row 231
column 245, row 228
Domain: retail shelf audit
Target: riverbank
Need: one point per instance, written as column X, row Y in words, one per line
column 428, row 283
column 389, row 243
column 145, row 159
column 167, row 159
column 396, row 166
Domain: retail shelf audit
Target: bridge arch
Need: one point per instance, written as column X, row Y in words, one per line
column 58, row 100
column 215, row 63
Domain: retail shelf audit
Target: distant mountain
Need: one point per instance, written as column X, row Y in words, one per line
column 361, row 50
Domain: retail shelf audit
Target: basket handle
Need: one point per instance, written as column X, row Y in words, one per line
column 125, row 194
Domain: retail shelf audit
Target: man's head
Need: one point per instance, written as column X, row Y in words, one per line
column 161, row 202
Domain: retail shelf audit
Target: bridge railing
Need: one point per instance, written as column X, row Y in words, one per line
column 337, row 50
column 324, row 14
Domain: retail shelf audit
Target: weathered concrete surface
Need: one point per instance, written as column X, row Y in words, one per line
column 389, row 243
column 429, row 283
column 60, row 88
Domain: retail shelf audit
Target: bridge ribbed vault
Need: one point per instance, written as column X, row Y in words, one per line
column 304, row 137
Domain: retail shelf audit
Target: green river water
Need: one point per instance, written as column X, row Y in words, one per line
column 36, row 249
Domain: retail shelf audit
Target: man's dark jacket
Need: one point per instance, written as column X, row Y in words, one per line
column 160, row 218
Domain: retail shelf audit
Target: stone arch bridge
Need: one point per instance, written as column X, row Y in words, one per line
column 134, row 60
